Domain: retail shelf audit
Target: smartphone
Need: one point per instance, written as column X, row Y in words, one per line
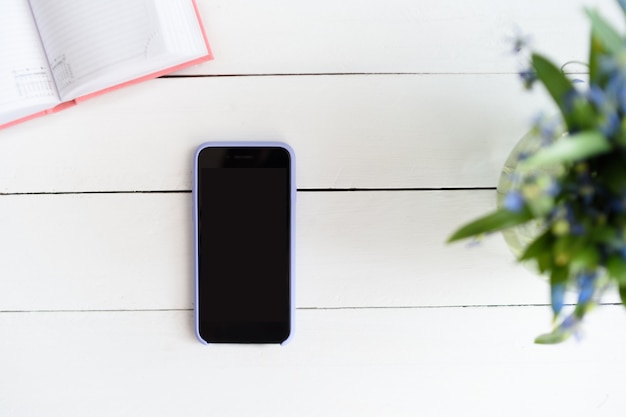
column 244, row 209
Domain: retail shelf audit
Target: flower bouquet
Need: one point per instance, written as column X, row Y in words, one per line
column 573, row 188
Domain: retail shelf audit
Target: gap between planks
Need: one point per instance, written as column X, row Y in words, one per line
column 158, row 310
column 301, row 190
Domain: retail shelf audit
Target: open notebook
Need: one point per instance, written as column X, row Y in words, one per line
column 55, row 53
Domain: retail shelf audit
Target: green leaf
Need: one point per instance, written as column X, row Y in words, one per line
column 538, row 246
column 616, row 266
column 544, row 262
column 557, row 84
column 493, row 222
column 622, row 294
column 612, row 170
column 585, row 259
column 556, row 336
column 595, row 51
column 583, row 308
column 603, row 234
column 568, row 149
column 559, row 275
column 540, row 250
column 606, row 34
column 567, row 247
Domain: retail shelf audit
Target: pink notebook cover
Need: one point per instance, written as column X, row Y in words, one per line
column 71, row 103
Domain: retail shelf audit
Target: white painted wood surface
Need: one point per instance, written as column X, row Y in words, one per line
column 422, row 96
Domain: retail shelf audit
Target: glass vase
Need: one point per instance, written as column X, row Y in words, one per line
column 511, row 177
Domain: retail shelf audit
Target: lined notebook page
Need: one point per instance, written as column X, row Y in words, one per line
column 86, row 38
column 92, row 45
column 26, row 85
column 180, row 28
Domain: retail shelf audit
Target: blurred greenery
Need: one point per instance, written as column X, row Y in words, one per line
column 581, row 207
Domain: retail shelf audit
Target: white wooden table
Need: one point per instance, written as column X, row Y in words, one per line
column 401, row 113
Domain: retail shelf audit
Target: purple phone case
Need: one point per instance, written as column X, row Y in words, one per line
column 292, row 192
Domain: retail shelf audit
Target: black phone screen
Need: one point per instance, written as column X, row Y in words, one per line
column 243, row 242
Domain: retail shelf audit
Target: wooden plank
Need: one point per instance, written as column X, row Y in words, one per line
column 354, row 249
column 401, row 362
column 415, row 36
column 347, row 131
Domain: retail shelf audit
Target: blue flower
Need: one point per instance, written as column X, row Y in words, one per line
column 610, row 124
column 616, row 205
column 586, row 287
column 577, row 229
column 514, row 201
column 553, row 189
column 528, row 77
column 606, row 103
column 616, row 87
column 557, row 297
column 571, row 99
column 596, row 96
column 621, row 99
column 569, row 325
column 548, row 129
column 519, row 44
